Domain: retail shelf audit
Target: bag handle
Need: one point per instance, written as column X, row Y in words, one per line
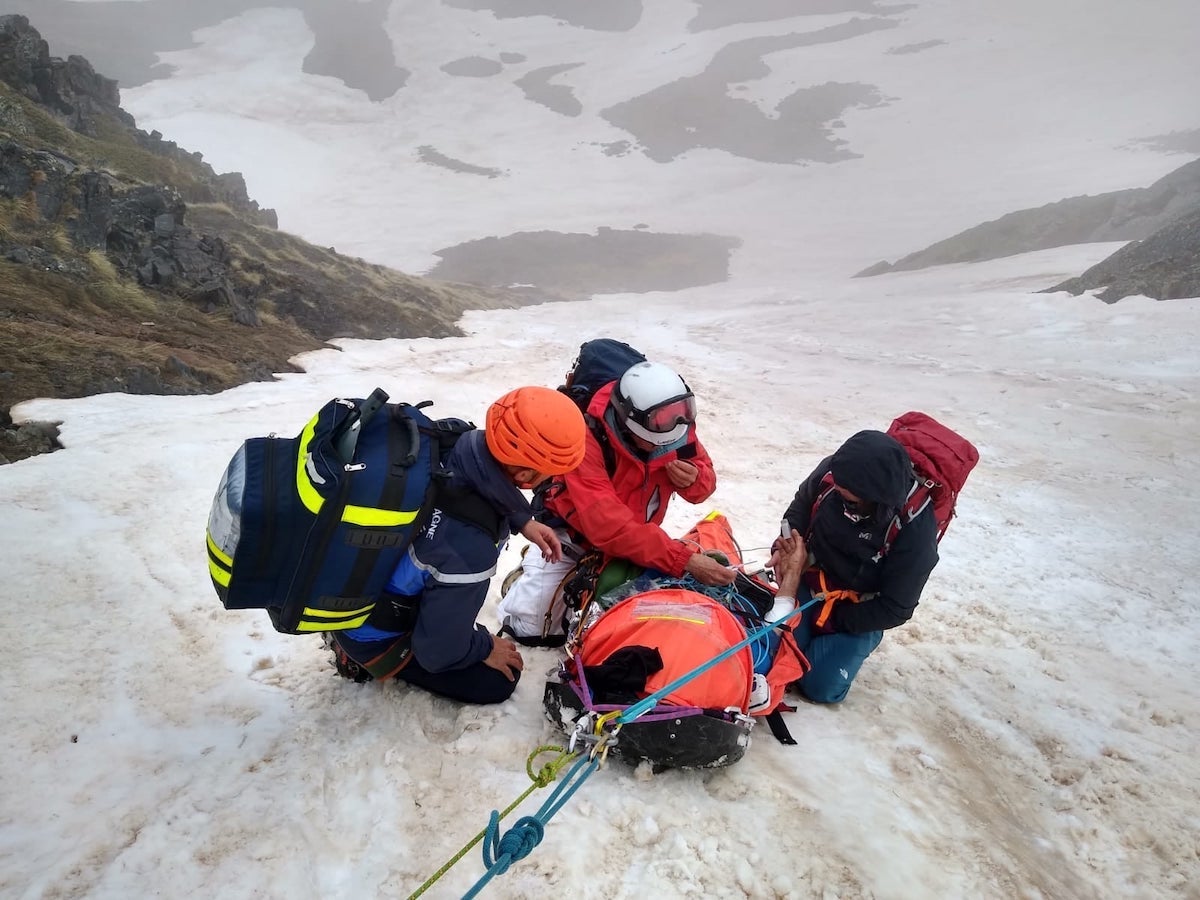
column 347, row 438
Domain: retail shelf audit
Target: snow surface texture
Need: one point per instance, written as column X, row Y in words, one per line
column 1031, row 733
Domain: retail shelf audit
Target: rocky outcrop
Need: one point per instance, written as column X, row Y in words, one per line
column 28, row 439
column 1165, row 266
column 141, row 228
column 90, row 104
column 1116, row 216
column 71, row 87
column 128, row 264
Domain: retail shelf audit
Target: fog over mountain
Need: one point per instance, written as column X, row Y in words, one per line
column 702, row 179
column 762, row 117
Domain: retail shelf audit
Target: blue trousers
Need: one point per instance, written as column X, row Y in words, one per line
column 474, row 684
column 836, row 658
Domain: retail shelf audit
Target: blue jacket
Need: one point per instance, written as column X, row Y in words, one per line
column 449, row 567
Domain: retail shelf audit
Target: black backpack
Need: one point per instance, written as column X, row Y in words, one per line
column 311, row 527
column 600, row 361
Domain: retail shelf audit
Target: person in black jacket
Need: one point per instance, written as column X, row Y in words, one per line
column 839, row 522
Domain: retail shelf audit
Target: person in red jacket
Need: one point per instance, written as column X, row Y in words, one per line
column 642, row 449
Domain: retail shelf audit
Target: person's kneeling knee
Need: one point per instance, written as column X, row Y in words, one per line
column 495, row 688
column 824, row 690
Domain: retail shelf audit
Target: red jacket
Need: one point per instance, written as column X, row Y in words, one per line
column 621, row 514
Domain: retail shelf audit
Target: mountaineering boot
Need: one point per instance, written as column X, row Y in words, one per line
column 346, row 667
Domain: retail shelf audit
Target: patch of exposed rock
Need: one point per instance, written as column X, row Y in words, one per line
column 1165, row 266
column 128, row 264
column 1115, row 216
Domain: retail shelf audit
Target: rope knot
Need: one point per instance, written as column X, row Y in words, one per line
column 518, row 842
column 550, row 770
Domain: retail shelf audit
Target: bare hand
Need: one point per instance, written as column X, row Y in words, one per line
column 543, row 537
column 789, row 557
column 682, row 474
column 505, row 658
column 707, row 570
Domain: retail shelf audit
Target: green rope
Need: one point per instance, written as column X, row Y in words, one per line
column 543, row 777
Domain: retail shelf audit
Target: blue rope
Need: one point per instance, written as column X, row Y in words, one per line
column 518, row 842
column 727, row 595
column 648, row 703
column 760, row 649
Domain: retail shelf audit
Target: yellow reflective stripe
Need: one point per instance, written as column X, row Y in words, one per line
column 353, row 515
column 309, row 496
column 337, row 614
column 669, row 618
column 216, row 552
column 370, row 516
column 325, row 625
column 712, row 515
column 219, row 575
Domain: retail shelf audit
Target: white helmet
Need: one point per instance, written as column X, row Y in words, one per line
column 654, row 403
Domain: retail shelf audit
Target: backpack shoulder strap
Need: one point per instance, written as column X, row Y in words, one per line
column 596, row 426
column 459, row 503
column 467, row 506
column 919, row 497
column 825, row 489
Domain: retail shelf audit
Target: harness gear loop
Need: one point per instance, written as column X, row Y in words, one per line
column 830, row 598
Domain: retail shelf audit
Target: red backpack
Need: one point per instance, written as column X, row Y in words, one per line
column 942, row 459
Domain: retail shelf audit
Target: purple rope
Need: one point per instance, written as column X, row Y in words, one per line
column 661, row 711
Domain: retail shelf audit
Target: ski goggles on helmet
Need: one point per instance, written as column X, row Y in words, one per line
column 666, row 416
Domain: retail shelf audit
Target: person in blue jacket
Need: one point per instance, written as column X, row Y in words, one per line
column 423, row 629
column 836, row 551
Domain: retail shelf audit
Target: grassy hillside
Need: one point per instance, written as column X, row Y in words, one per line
column 127, row 263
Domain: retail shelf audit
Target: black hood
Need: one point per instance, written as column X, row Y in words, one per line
column 875, row 467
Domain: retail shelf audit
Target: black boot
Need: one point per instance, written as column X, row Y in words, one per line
column 346, row 667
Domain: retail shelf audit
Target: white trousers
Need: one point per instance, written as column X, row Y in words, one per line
column 533, row 606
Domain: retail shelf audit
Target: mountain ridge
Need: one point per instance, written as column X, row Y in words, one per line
column 128, row 264
column 1161, row 219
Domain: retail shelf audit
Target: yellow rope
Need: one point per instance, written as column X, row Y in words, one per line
column 543, row 777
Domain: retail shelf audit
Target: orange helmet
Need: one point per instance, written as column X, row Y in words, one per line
column 536, row 427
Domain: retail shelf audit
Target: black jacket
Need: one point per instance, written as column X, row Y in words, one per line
column 875, row 467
